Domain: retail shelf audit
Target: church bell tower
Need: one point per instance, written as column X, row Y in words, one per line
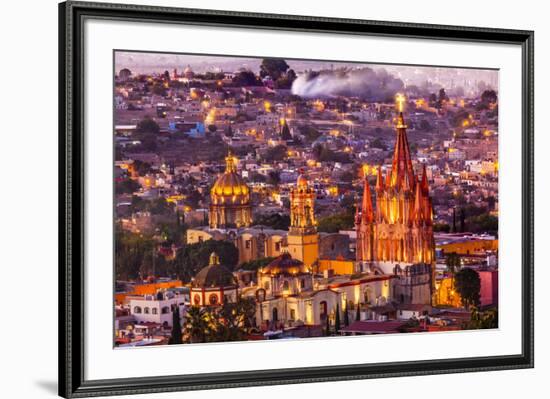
column 303, row 239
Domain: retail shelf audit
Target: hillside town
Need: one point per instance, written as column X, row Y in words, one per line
column 297, row 200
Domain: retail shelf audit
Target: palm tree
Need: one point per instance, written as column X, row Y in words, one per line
column 196, row 324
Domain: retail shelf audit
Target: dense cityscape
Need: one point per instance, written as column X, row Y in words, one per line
column 260, row 199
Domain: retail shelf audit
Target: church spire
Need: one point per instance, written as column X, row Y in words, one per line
column 424, row 181
column 401, row 163
column 367, row 213
column 379, row 180
column 418, row 204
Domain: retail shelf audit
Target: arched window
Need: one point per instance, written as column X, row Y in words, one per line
column 323, row 309
column 154, row 311
column 196, row 299
column 213, row 299
column 367, row 295
column 286, row 287
column 165, row 310
column 137, row 309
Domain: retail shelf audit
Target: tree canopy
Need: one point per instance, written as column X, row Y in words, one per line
column 193, row 257
column 468, row 285
column 273, row 67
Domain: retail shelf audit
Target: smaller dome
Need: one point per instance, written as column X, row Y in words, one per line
column 214, row 275
column 188, row 72
column 285, row 264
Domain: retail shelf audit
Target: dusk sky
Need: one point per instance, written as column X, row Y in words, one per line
column 158, row 62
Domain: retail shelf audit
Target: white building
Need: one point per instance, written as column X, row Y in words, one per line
column 158, row 308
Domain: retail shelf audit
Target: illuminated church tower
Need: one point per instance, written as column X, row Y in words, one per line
column 230, row 199
column 303, row 239
column 400, row 228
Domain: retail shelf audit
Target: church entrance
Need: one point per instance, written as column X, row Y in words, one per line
column 275, row 315
column 323, row 310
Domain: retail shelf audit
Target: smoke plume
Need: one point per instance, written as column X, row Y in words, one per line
column 364, row 83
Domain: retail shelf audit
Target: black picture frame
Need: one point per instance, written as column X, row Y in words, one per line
column 71, row 204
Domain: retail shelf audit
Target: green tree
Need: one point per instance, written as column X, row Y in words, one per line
column 176, row 337
column 256, row 263
column 133, row 254
column 489, row 97
column 196, row 325
column 246, row 78
column 286, row 80
column 274, row 177
column 452, row 260
column 441, row 227
column 483, row 224
column 273, row 67
column 193, row 257
column 482, row 320
column 277, row 221
column 277, row 153
column 232, row 321
column 346, row 315
column 327, row 326
column 335, row 223
column 468, row 285
column 126, row 186
column 147, row 131
column 325, row 154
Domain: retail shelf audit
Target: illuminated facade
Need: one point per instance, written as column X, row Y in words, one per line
column 400, row 228
column 230, row 199
column 303, row 239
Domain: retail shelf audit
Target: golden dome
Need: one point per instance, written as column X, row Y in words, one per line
column 230, row 186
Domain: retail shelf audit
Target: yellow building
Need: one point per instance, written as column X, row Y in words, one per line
column 230, row 197
column 469, row 247
column 338, row 266
column 303, row 239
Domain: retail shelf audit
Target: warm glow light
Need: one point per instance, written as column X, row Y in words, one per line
column 400, row 101
column 319, row 106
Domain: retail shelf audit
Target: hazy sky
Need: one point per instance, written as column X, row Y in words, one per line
column 159, row 62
